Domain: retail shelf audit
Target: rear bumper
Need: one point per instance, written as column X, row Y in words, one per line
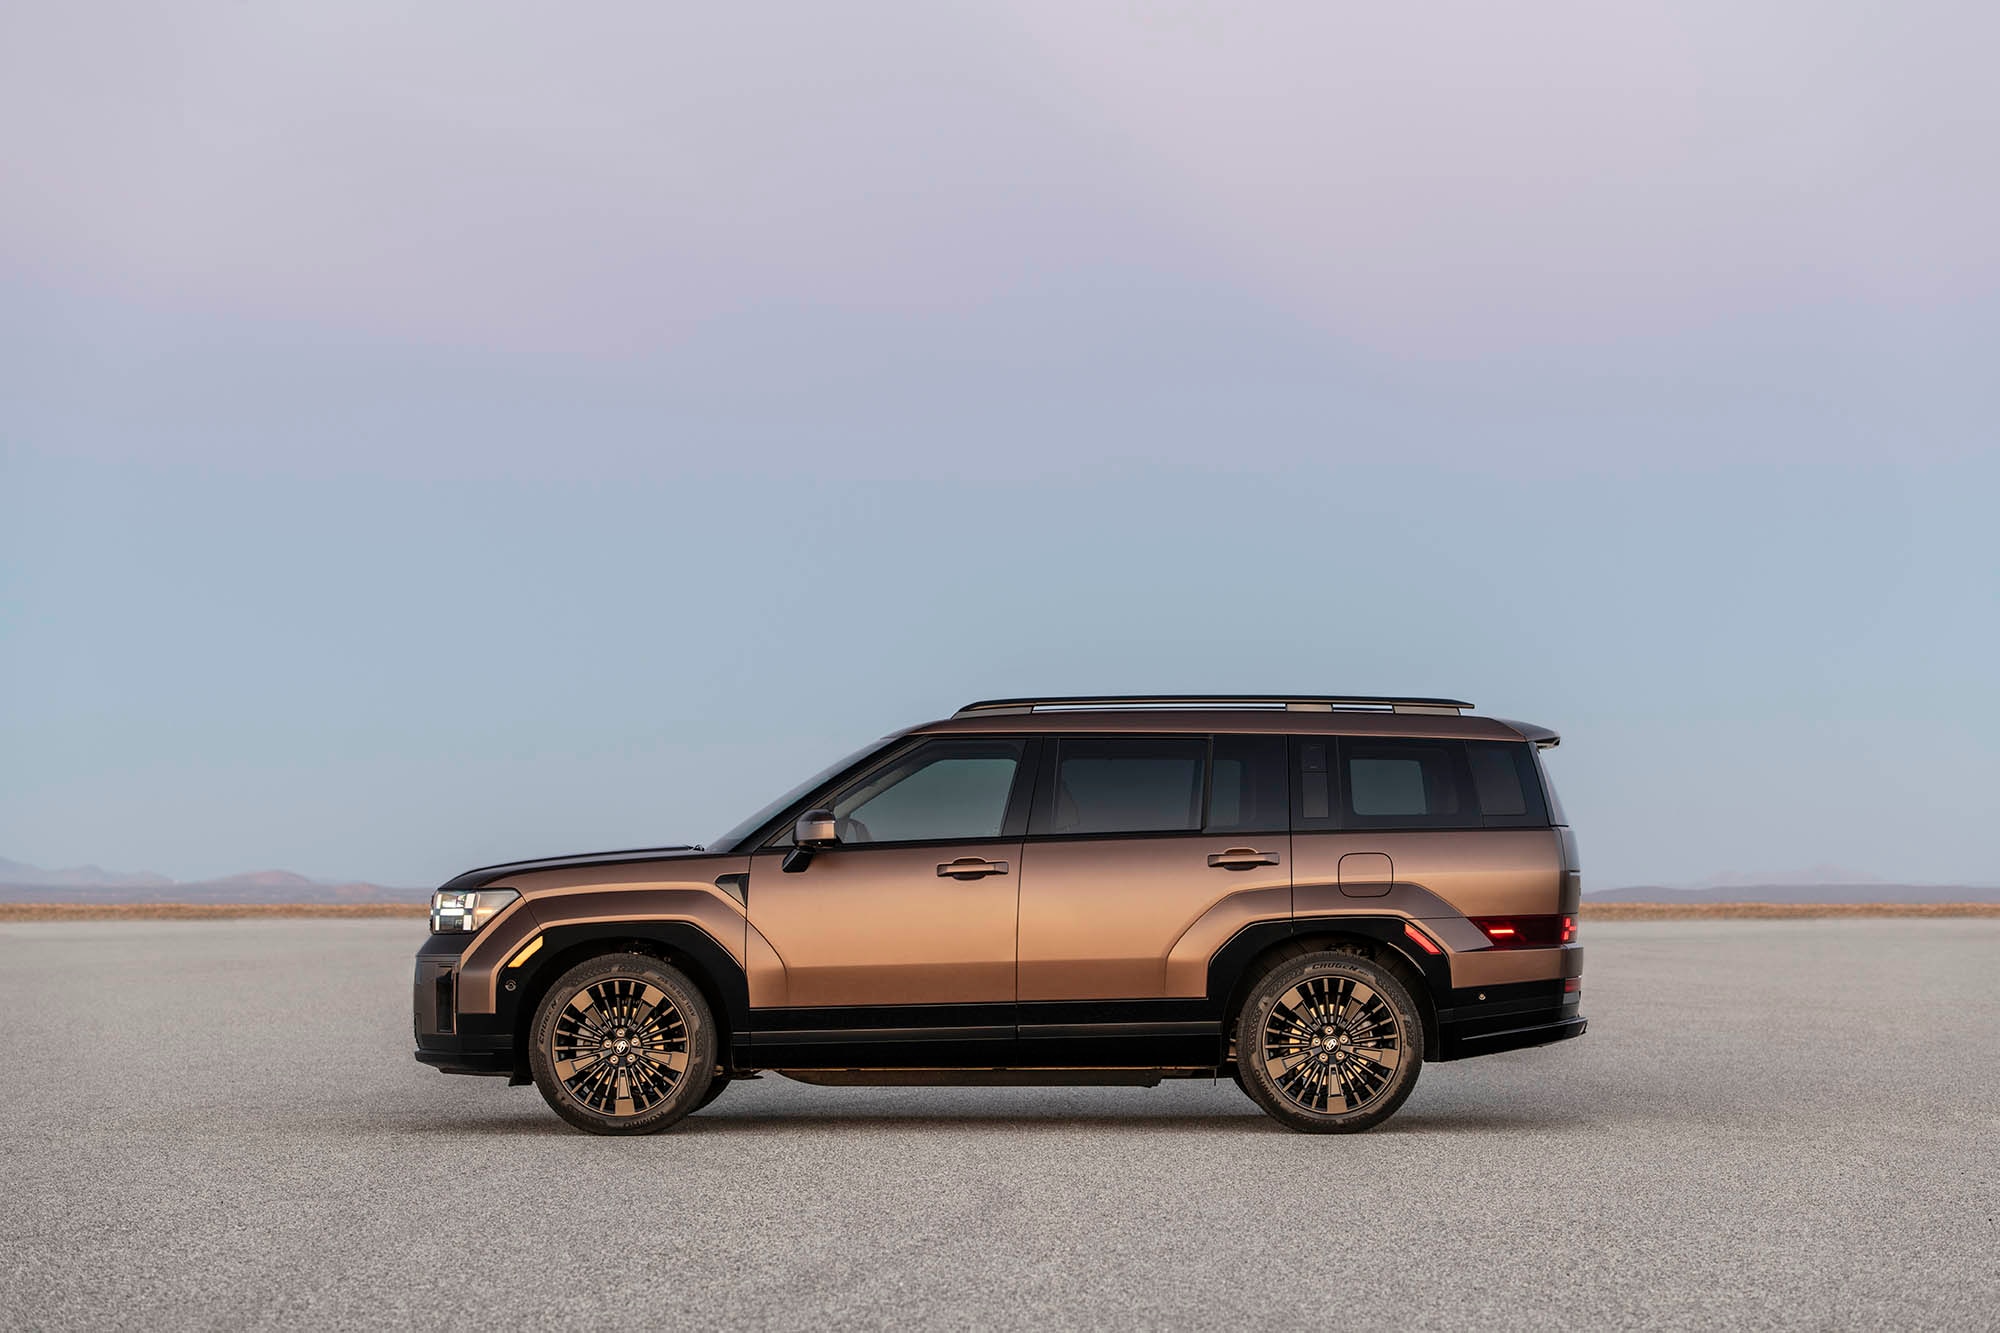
column 1507, row 1018
column 1461, row 1046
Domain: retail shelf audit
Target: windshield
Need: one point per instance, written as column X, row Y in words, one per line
column 727, row 842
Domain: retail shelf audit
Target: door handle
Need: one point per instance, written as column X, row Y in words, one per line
column 970, row 867
column 1242, row 858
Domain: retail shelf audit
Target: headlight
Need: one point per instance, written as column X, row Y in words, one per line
column 462, row 912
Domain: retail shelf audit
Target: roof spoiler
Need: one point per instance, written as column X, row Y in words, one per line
column 1543, row 738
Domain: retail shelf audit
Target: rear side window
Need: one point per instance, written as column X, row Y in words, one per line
column 1364, row 782
column 1508, row 782
column 1407, row 784
column 1128, row 785
column 1497, row 781
column 1246, row 785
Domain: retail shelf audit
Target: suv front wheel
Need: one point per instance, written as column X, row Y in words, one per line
column 1329, row 1043
column 623, row 1044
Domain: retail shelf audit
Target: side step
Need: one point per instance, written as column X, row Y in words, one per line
column 984, row 1078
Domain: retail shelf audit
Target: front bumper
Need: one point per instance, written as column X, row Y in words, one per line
column 447, row 1040
column 478, row 1055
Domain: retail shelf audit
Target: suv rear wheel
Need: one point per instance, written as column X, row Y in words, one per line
column 1329, row 1043
column 623, row 1044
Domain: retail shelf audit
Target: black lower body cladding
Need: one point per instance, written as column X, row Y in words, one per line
column 1507, row 1018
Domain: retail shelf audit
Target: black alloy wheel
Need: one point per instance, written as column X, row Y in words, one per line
column 1329, row 1043
column 623, row 1044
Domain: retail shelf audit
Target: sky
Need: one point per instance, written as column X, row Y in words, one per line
column 432, row 435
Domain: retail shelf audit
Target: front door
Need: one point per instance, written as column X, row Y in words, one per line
column 917, row 905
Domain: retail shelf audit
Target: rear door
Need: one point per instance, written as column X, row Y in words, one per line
column 1135, row 839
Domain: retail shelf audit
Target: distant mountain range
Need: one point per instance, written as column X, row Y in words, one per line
column 21, row 883
column 1871, row 891
column 1813, row 884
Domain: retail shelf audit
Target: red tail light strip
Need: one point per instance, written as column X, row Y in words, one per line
column 1527, row 932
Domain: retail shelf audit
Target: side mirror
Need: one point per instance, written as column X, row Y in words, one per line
column 816, row 828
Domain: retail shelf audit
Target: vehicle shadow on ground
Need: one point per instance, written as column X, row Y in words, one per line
column 544, row 1124
column 1249, row 1121
column 875, row 1121
column 1024, row 1123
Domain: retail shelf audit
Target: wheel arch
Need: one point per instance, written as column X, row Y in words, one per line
column 714, row 971
column 1256, row 949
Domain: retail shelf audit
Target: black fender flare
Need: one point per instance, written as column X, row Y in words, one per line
column 1233, row 968
column 687, row 946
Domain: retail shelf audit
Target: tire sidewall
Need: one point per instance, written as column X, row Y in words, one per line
column 1263, row 997
column 695, row 1014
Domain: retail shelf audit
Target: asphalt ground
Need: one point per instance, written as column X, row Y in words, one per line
column 1770, row 1124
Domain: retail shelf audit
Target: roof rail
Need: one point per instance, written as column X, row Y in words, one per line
column 1293, row 703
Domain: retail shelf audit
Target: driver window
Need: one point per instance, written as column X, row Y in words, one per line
column 946, row 790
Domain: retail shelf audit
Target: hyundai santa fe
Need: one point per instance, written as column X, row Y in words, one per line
column 1311, row 895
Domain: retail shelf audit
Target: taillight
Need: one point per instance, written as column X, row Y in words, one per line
column 1421, row 940
column 1526, row 932
column 1571, row 985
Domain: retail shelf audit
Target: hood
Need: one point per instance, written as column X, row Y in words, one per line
column 484, row 875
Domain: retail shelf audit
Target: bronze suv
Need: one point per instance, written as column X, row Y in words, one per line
column 1312, row 895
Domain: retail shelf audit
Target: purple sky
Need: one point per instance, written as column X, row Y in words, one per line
column 431, row 434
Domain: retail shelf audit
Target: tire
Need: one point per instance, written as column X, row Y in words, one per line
column 623, row 1044
column 1329, row 1043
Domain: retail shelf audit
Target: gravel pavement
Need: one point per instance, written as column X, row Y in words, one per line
column 1771, row 1124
